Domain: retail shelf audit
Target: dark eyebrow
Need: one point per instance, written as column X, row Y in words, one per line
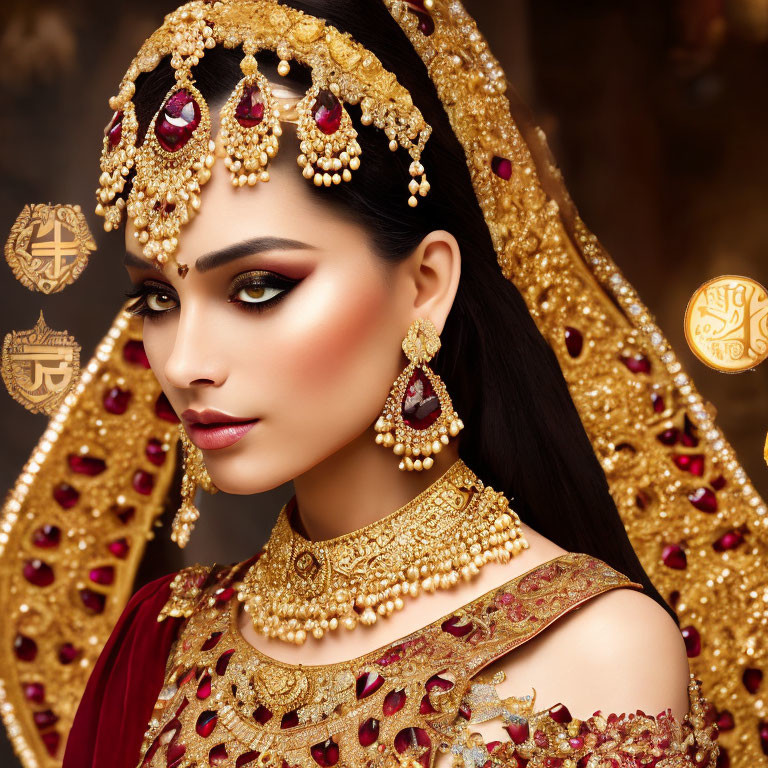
column 230, row 253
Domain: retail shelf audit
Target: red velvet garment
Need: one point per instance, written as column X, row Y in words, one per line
column 121, row 693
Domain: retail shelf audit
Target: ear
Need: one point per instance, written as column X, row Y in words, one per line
column 434, row 269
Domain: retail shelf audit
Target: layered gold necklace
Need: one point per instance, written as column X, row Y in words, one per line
column 447, row 533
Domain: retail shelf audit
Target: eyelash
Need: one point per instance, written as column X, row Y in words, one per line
column 140, row 308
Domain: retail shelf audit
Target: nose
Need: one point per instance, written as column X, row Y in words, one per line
column 195, row 358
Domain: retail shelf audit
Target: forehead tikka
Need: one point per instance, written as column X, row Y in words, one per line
column 178, row 151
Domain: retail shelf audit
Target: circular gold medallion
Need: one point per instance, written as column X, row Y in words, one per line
column 726, row 323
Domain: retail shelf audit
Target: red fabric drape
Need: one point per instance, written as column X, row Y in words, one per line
column 122, row 691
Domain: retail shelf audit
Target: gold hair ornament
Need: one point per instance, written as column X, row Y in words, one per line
column 177, row 153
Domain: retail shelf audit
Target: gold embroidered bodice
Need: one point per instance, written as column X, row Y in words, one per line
column 225, row 703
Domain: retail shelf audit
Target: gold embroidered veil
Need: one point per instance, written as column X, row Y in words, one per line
column 74, row 526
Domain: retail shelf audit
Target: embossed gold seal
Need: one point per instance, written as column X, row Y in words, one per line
column 48, row 246
column 39, row 366
column 726, row 323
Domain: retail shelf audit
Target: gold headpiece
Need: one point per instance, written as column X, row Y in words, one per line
column 696, row 522
column 178, row 151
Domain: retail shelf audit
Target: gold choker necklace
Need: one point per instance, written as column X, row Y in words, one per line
column 447, row 533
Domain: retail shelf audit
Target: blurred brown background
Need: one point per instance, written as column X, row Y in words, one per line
column 655, row 110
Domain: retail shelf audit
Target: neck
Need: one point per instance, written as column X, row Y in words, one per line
column 358, row 485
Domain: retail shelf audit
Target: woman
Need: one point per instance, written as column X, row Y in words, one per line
column 276, row 316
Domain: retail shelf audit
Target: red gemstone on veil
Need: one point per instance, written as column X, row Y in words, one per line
column 636, row 363
column 326, row 112
column 178, row 118
column 104, row 575
column 673, row 556
column 51, row 741
column 114, row 131
column 25, row 648
column 518, row 731
column 47, row 536
column 326, row 753
column 692, row 462
column 93, row 601
column 703, row 499
column 133, row 353
column 65, row 495
column 143, row 482
column 164, row 409
column 34, row 692
column 394, row 701
column 368, row 732
column 692, row 641
column 86, row 465
column 250, row 108
column 729, row 540
column 574, row 341
column 38, row 572
column 752, row 679
column 725, row 721
column 68, row 653
column 155, row 451
column 502, row 167
column 45, row 719
column 116, row 400
column 119, row 547
column 420, row 406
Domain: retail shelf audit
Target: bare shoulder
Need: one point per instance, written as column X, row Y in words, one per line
column 618, row 652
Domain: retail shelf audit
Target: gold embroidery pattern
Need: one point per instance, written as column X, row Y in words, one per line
column 396, row 705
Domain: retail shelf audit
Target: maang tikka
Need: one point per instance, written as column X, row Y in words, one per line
column 418, row 418
column 195, row 476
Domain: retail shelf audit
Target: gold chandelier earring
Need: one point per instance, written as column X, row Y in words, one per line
column 195, row 475
column 418, row 418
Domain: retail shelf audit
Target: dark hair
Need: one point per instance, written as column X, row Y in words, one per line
column 523, row 434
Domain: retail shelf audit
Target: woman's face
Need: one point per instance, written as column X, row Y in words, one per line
column 286, row 320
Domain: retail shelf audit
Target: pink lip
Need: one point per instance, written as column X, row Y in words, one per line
column 211, row 429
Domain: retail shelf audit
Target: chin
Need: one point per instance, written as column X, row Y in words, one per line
column 247, row 473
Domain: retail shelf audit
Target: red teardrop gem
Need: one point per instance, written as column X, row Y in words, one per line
column 116, row 400
column 206, row 723
column 420, row 406
column 657, row 402
column 25, row 648
column 425, row 706
column 673, row 556
column 164, row 410
column 725, row 721
column 38, row 572
column 729, row 540
column 458, row 626
column 68, row 653
column 93, row 601
column 114, row 130
column 368, row 732
column 752, row 678
column 250, row 109
column 262, row 715
column 65, row 495
column 246, row 757
column 143, row 482
column 692, row 641
column 290, row 719
column 86, row 465
column 690, row 462
column 518, row 731
column 133, row 353
column 394, row 701
column 103, row 575
column 502, row 167
column 34, row 692
column 218, row 755
column 636, row 363
column 574, row 341
column 155, row 452
column 368, row 683
column 414, row 739
column 51, row 740
column 426, row 22
column 560, row 714
column 204, row 688
column 438, row 683
column 703, row 499
column 668, row 436
column 718, row 483
column 46, row 536
column 211, row 642
column 325, row 754
column 223, row 661
column 327, row 112
column 119, row 548
column 178, row 118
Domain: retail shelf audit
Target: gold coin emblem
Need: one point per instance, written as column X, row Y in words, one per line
column 48, row 246
column 39, row 366
column 726, row 323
